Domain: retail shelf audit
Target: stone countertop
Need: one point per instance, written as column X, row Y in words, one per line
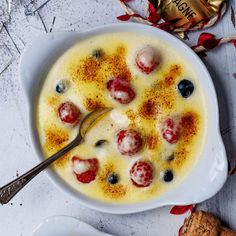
column 41, row 199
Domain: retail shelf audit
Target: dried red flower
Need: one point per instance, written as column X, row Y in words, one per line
column 153, row 16
column 179, row 210
column 233, row 42
column 208, row 41
column 151, row 8
column 126, row 17
column 123, row 17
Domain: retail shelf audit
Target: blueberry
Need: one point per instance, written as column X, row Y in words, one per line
column 170, row 157
column 167, row 175
column 62, row 86
column 100, row 142
column 185, row 88
column 97, row 54
column 113, row 178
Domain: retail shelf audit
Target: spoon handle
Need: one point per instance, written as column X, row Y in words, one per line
column 8, row 191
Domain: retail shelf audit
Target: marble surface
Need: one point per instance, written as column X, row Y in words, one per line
column 41, row 199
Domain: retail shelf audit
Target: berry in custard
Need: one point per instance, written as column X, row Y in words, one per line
column 170, row 130
column 147, row 59
column 62, row 86
column 97, row 54
column 129, row 142
column 69, row 113
column 185, row 88
column 85, row 170
column 167, row 175
column 141, row 173
column 120, row 90
column 113, row 178
column 101, row 143
column 170, row 157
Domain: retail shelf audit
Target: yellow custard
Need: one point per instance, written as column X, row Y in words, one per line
column 156, row 98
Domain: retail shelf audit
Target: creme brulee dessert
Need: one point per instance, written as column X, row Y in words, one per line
column 151, row 139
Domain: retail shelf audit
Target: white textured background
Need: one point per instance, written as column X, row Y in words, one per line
column 41, row 198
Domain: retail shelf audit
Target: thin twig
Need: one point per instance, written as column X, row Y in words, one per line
column 44, row 25
column 32, row 12
column 8, row 49
column 53, row 22
column 5, row 27
column 10, row 61
column 41, row 6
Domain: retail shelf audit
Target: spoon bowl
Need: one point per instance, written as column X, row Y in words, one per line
column 91, row 119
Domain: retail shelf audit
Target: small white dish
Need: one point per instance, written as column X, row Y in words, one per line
column 210, row 172
column 66, row 226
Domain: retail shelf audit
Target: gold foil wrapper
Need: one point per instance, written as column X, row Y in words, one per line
column 188, row 12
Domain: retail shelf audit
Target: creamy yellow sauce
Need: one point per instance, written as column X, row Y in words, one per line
column 156, row 98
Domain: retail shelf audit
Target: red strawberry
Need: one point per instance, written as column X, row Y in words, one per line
column 147, row 59
column 170, row 130
column 141, row 173
column 129, row 142
column 85, row 170
column 69, row 113
column 120, row 90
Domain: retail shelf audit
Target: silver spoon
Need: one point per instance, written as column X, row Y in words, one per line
column 8, row 191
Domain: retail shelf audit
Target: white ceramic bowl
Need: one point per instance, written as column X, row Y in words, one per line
column 210, row 172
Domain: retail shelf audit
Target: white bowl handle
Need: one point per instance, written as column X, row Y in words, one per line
column 35, row 58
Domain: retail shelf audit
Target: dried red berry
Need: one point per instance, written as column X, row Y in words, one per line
column 120, row 90
column 170, row 130
column 85, row 170
column 179, row 210
column 147, row 59
column 69, row 113
column 141, row 173
column 129, row 142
